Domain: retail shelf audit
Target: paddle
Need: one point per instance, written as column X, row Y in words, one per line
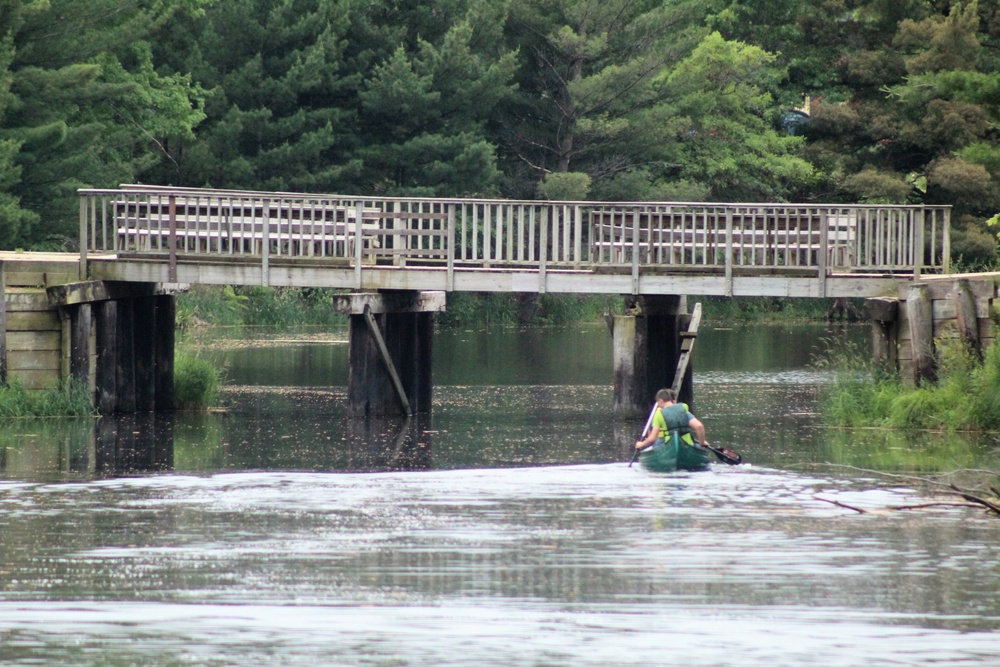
column 644, row 431
column 725, row 455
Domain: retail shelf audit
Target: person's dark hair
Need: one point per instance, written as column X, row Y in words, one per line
column 666, row 395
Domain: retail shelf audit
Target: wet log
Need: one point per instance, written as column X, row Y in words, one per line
column 965, row 316
column 79, row 343
column 105, row 373
column 144, row 341
column 125, row 358
column 920, row 316
column 166, row 325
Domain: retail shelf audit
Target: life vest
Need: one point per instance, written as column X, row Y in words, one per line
column 676, row 418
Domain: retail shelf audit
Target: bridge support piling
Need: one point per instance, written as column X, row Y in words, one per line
column 647, row 345
column 120, row 342
column 393, row 360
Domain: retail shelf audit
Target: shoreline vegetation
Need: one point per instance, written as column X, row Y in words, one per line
column 965, row 398
column 206, row 305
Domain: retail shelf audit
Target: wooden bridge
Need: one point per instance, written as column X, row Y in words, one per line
column 175, row 235
column 106, row 317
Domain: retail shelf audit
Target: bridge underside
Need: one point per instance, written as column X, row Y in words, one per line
column 298, row 272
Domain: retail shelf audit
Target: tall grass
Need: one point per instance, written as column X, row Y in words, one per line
column 966, row 396
column 256, row 306
column 197, row 383
column 768, row 309
column 73, row 400
column 284, row 306
column 470, row 309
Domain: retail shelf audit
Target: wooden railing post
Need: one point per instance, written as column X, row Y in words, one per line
column 172, row 239
column 83, row 237
column 635, row 252
column 729, row 251
column 265, row 260
column 451, row 247
column 918, row 243
column 946, row 242
column 358, row 242
column 543, row 249
column 824, row 249
column 578, row 234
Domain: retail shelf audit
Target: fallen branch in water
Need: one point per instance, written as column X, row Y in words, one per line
column 973, row 497
column 922, row 506
column 991, row 506
column 840, row 504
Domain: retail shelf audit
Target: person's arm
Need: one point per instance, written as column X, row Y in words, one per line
column 654, row 433
column 699, row 429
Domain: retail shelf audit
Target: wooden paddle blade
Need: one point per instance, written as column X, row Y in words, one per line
column 727, row 455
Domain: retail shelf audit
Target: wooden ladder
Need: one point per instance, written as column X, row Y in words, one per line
column 687, row 345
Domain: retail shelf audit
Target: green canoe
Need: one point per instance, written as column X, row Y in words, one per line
column 674, row 455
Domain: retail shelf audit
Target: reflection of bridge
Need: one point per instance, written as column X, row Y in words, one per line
column 164, row 235
column 138, row 241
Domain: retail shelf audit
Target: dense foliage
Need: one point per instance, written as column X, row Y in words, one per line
column 966, row 396
column 768, row 100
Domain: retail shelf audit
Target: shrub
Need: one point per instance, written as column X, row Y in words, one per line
column 73, row 400
column 197, row 383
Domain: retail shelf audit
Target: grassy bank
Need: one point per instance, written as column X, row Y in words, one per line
column 71, row 401
column 196, row 386
column 966, row 396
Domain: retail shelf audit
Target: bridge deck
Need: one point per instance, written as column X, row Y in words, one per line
column 159, row 234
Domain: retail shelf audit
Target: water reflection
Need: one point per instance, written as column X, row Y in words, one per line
column 486, row 412
column 523, row 540
column 151, row 443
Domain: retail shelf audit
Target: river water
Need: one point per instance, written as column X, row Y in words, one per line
column 506, row 529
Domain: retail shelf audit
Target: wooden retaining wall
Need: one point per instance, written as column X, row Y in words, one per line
column 34, row 335
column 910, row 332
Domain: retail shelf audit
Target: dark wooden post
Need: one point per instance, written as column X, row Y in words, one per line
column 106, row 373
column 144, row 341
column 883, row 315
column 966, row 316
column 369, row 387
column 919, row 314
column 125, row 365
column 166, row 323
column 422, row 384
column 79, row 343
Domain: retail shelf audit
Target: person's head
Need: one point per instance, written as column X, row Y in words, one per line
column 666, row 395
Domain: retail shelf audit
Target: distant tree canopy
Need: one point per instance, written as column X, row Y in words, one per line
column 877, row 101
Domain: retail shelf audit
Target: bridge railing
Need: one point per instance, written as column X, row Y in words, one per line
column 482, row 233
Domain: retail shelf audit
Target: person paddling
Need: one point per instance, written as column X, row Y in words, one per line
column 672, row 416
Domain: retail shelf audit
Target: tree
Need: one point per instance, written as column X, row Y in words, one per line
column 425, row 115
column 82, row 106
column 588, row 74
column 341, row 95
column 719, row 129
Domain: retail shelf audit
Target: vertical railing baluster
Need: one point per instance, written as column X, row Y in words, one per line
column 543, row 249
column 450, row 250
column 531, row 233
column 567, row 228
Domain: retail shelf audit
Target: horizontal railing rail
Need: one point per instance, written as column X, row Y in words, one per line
column 525, row 235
